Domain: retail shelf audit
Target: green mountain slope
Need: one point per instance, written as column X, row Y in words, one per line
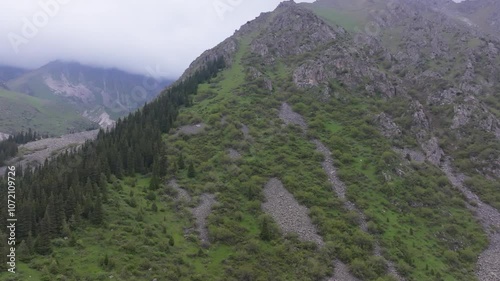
column 447, row 72
column 350, row 142
column 19, row 112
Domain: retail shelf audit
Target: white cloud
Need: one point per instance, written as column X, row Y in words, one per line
column 127, row 34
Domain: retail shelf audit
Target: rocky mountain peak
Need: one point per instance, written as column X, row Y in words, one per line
column 288, row 3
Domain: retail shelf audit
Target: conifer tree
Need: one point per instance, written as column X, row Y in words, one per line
column 154, row 184
column 97, row 215
column 3, row 251
column 265, row 232
column 23, row 252
column 42, row 244
column 191, row 171
column 180, row 162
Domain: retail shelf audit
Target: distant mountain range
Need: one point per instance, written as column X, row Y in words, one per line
column 8, row 72
column 63, row 97
column 483, row 13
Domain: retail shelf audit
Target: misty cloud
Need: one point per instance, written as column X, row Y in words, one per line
column 165, row 35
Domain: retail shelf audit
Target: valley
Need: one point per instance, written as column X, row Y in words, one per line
column 85, row 97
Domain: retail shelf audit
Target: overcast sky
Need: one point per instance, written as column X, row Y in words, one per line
column 133, row 35
column 128, row 34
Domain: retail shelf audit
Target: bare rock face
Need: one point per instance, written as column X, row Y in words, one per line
column 432, row 150
column 4, row 136
column 463, row 113
column 101, row 117
column 413, row 155
column 255, row 74
column 445, row 97
column 491, row 124
column 420, row 120
column 493, row 50
column 472, row 111
column 296, row 31
column 64, row 88
column 268, row 84
column 309, row 74
column 421, row 128
column 260, row 48
column 387, row 126
column 281, row 38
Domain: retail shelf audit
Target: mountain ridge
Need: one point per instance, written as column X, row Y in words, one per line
column 383, row 143
column 88, row 87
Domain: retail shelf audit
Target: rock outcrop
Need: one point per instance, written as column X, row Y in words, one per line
column 4, row 136
column 387, row 125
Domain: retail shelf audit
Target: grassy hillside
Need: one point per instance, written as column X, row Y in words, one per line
column 420, row 221
column 20, row 112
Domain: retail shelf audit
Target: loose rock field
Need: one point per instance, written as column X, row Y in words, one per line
column 288, row 213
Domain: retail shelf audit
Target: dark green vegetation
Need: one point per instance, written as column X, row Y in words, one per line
column 19, row 112
column 8, row 149
column 106, row 210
